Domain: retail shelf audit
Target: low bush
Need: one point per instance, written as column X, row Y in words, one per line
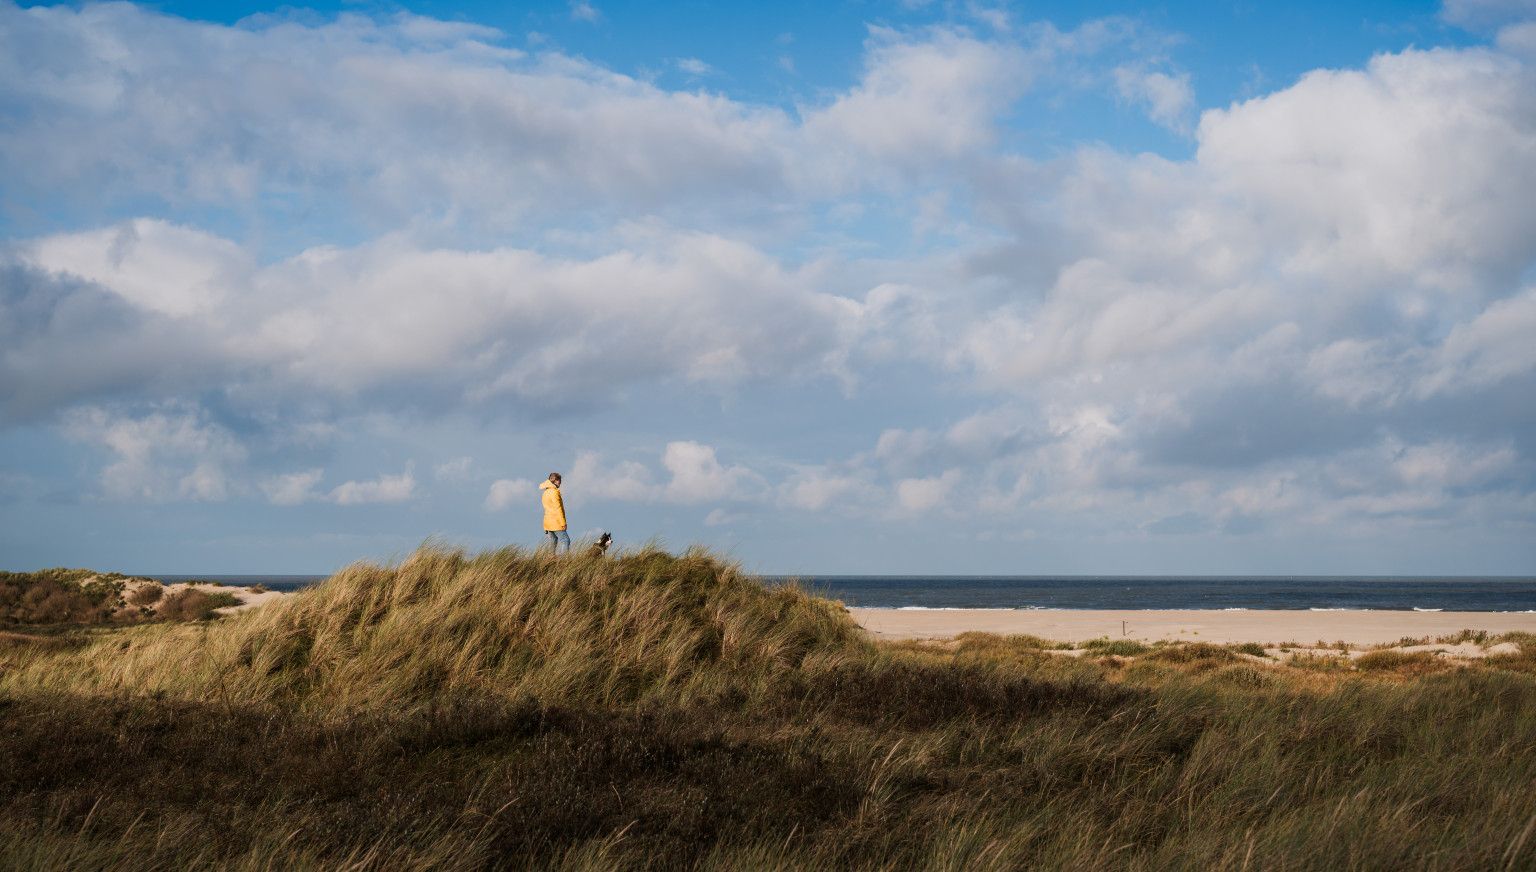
column 58, row 596
column 146, row 594
column 191, row 604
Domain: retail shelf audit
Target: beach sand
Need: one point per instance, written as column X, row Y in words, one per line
column 1270, row 627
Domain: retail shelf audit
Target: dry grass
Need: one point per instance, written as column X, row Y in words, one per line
column 650, row 711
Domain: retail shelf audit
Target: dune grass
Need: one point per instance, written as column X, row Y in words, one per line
column 510, row 710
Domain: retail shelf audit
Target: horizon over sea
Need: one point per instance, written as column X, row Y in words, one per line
column 1130, row 592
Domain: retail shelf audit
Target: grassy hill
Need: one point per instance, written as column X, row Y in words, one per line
column 509, row 710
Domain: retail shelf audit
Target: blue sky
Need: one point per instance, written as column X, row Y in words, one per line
column 835, row 288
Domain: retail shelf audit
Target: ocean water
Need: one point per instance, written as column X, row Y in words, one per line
column 1451, row 594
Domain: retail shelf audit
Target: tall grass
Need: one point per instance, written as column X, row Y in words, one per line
column 517, row 711
column 508, row 623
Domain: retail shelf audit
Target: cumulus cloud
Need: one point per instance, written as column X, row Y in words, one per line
column 1169, row 99
column 926, row 98
column 688, row 306
column 507, row 492
column 293, row 488
column 388, row 113
column 691, row 473
column 699, row 477
column 1320, row 318
column 170, row 454
column 384, row 489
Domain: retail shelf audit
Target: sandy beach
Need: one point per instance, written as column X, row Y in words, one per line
column 1222, row 627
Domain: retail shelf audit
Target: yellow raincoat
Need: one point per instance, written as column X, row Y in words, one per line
column 554, row 506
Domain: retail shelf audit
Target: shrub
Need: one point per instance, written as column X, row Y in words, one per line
column 57, row 596
column 1253, row 648
column 146, row 594
column 191, row 604
column 258, row 588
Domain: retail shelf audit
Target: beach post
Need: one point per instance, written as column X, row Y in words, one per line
column 1122, row 628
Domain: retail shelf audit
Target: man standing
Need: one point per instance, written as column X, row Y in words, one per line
column 554, row 514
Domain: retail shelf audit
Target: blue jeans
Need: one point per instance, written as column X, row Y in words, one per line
column 556, row 537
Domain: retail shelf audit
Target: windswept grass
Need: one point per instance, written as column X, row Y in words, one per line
column 511, row 624
column 510, row 710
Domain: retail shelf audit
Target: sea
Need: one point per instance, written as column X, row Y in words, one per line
column 1315, row 592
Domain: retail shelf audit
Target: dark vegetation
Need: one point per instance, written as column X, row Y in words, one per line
column 191, row 604
column 652, row 711
column 58, row 596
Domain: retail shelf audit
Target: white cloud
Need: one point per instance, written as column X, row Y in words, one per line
column 383, row 114
column 507, row 492
column 163, row 455
column 384, row 489
column 1169, row 98
column 685, row 306
column 694, row 67
column 925, row 494
column 153, row 265
column 581, row 10
column 699, row 477
column 923, row 99
column 816, row 490
column 456, row 469
column 1500, row 343
column 626, row 481
column 1481, row 14
column 291, row 489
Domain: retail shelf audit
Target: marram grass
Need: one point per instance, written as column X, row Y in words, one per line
column 645, row 626
column 653, row 711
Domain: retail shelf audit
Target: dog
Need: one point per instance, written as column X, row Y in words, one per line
column 600, row 547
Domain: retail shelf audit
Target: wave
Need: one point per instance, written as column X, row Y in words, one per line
column 1417, row 609
column 1332, row 609
column 949, row 608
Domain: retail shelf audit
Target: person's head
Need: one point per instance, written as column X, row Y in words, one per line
column 554, row 479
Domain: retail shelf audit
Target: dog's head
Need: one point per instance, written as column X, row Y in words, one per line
column 605, row 539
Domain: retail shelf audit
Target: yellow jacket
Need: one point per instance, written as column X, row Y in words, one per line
column 554, row 507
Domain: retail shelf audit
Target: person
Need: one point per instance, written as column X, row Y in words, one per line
column 554, row 514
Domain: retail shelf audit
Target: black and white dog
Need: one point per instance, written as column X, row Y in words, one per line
column 600, row 547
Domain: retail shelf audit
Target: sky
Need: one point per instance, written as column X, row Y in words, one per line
column 831, row 288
